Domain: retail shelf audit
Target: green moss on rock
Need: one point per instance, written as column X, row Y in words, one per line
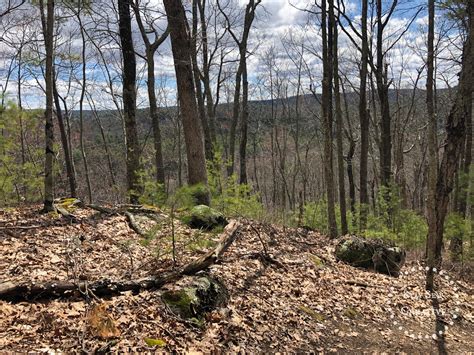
column 194, row 297
column 354, row 251
column 204, row 217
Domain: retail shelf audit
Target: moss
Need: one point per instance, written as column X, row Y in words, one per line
column 196, row 298
column 350, row 312
column 69, row 204
column 353, row 250
column 317, row 261
column 154, row 342
column 204, row 217
column 181, row 301
column 151, row 207
column 313, row 314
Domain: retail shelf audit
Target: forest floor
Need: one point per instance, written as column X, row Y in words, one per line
column 306, row 301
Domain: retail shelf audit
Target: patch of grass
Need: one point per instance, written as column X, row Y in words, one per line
column 201, row 241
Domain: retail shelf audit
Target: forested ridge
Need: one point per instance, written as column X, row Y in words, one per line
column 236, row 176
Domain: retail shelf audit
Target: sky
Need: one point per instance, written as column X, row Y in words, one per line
column 283, row 34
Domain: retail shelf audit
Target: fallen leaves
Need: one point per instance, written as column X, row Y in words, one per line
column 101, row 323
column 304, row 306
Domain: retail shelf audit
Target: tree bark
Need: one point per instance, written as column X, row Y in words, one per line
column 208, row 145
column 339, row 130
column 48, row 33
column 456, row 130
column 181, row 48
column 65, row 144
column 150, row 50
column 129, row 101
column 431, row 118
column 81, row 106
column 364, row 121
column 327, row 19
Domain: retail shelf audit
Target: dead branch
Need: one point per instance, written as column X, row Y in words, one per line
column 134, row 225
column 101, row 288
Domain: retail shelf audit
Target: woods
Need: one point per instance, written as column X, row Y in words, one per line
column 347, row 122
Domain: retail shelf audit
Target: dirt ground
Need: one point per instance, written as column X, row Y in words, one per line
column 305, row 301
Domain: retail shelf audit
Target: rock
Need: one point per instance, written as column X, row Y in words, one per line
column 204, row 217
column 355, row 251
column 389, row 260
column 370, row 253
column 192, row 297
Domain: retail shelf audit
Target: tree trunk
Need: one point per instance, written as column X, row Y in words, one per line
column 155, row 119
column 244, row 127
column 181, row 47
column 150, row 49
column 208, row 145
column 129, row 101
column 382, row 90
column 339, row 130
column 364, row 122
column 65, row 144
column 101, row 288
column 81, row 108
column 327, row 32
column 48, row 33
column 456, row 130
column 431, row 118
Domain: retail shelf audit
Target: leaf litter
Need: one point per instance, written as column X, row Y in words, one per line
column 287, row 292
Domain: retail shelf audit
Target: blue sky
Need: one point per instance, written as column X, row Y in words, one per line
column 277, row 22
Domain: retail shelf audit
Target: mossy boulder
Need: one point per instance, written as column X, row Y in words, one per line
column 204, row 217
column 377, row 254
column 193, row 297
column 354, row 251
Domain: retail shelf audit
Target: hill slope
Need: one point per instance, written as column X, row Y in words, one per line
column 299, row 298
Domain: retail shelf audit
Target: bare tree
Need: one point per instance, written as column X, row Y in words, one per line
column 181, row 47
column 339, row 136
column 9, row 6
column 327, row 24
column 241, row 80
column 431, row 118
column 129, row 101
column 456, row 130
column 150, row 50
column 47, row 21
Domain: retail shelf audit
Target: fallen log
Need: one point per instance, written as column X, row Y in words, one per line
column 134, row 225
column 102, row 288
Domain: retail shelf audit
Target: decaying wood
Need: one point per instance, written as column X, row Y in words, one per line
column 102, row 209
column 101, row 288
column 129, row 211
column 134, row 225
column 64, row 212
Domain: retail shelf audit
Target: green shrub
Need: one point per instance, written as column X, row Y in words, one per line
column 229, row 197
column 456, row 226
column 404, row 227
column 21, row 178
